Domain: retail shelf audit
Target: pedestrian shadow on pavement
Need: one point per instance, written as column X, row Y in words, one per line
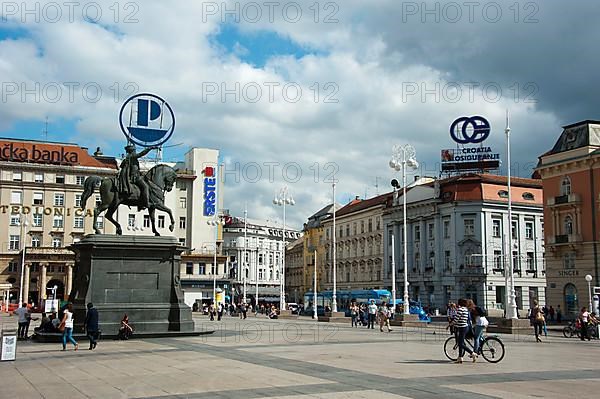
column 424, row 361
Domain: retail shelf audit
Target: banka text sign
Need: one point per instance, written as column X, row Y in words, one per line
column 467, row 132
column 210, row 191
column 18, row 152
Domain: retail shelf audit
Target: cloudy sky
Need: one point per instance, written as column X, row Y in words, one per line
column 305, row 89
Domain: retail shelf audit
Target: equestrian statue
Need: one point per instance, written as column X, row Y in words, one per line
column 132, row 188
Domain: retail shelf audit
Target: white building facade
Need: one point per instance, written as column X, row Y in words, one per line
column 457, row 241
column 256, row 263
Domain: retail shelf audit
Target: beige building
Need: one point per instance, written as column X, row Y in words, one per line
column 40, row 196
column 570, row 174
column 359, row 244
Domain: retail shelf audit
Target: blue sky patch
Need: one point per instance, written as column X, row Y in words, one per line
column 255, row 48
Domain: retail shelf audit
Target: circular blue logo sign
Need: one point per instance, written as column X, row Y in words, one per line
column 473, row 130
column 147, row 120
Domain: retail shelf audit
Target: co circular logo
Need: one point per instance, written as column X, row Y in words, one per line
column 147, row 120
column 473, row 130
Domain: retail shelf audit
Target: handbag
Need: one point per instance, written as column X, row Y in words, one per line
column 61, row 326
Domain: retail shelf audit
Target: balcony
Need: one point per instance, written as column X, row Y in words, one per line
column 562, row 239
column 564, row 199
column 471, row 270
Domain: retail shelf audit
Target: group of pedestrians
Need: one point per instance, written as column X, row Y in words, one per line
column 369, row 315
column 465, row 318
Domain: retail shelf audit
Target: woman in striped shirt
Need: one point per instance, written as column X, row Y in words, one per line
column 462, row 324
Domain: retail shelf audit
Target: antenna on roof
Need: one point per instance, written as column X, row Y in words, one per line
column 45, row 131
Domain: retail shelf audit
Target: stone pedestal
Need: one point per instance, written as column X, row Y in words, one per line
column 511, row 326
column 334, row 317
column 133, row 275
column 407, row 320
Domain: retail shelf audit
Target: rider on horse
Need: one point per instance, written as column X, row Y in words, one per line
column 129, row 174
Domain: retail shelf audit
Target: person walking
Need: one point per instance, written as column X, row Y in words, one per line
column 24, row 317
column 67, row 325
column 584, row 317
column 354, row 314
column 384, row 317
column 211, row 312
column 481, row 323
column 558, row 314
column 536, row 319
column 372, row 314
column 91, row 325
column 219, row 311
column 461, row 322
column 551, row 312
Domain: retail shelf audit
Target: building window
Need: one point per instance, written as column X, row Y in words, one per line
column 430, row 231
column 78, row 222
column 13, row 267
column 447, row 260
column 202, row 268
column 431, row 260
column 38, row 219
column 469, row 227
column 98, row 201
column 56, row 242
column 161, row 222
column 571, row 300
column 529, row 230
column 568, row 225
column 565, row 186
column 182, row 222
column 417, row 261
column 14, row 243
column 569, row 260
column 59, row 199
column 260, row 259
column 181, row 185
column 15, row 220
column 417, row 233
column 182, row 242
column 446, row 229
column 39, row 178
column 60, row 268
column 515, row 230
column 60, row 179
column 147, row 221
column 182, row 202
column 362, row 226
column 100, row 222
column 79, row 180
column 354, row 228
column 530, row 263
column 503, row 194
column 347, row 230
column 498, row 260
column 528, row 196
column 36, row 241
column 370, row 225
column 516, row 261
column 189, row 268
column 131, row 220
column 16, row 197
column 77, row 200
column 57, row 222
column 38, row 198
column 260, row 274
column 17, row 176
column 496, row 227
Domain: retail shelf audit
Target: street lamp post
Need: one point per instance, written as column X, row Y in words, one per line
column 315, row 314
column 403, row 156
column 511, row 311
column 588, row 278
column 334, row 296
column 282, row 199
column 24, row 223
column 244, row 263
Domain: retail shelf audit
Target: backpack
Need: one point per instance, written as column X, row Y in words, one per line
column 481, row 312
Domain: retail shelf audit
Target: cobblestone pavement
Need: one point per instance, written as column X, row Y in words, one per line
column 257, row 358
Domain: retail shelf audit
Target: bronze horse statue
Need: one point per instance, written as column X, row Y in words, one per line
column 160, row 179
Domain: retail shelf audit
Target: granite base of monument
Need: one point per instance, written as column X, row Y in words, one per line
column 133, row 275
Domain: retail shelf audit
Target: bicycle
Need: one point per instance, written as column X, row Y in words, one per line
column 491, row 348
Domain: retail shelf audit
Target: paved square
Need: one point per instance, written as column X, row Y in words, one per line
column 257, row 358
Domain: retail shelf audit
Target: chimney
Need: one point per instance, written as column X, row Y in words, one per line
column 417, row 177
column 98, row 152
column 357, row 198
